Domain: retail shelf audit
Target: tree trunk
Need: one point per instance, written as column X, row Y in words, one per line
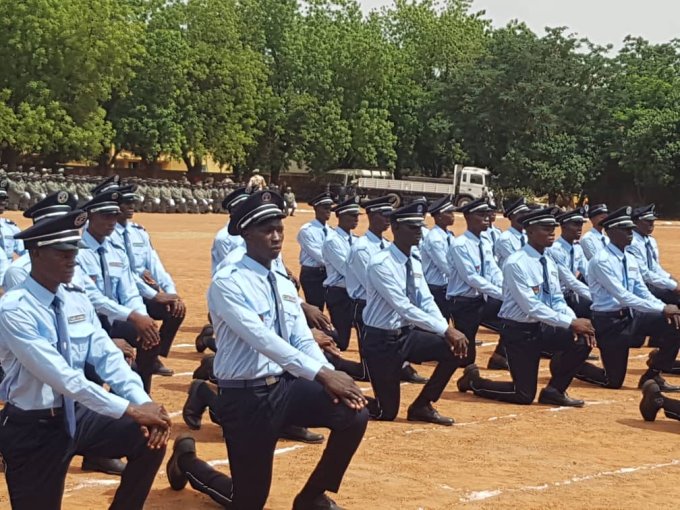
column 194, row 167
column 10, row 157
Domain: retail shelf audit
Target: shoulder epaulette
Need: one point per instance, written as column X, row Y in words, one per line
column 74, row 288
column 9, row 222
column 138, row 226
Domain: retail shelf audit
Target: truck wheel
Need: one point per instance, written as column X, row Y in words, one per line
column 462, row 201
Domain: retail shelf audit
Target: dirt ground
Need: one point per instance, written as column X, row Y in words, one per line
column 496, row 456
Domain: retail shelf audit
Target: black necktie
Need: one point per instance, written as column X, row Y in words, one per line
column 382, row 244
column 571, row 259
column 546, row 281
column 481, row 259
column 325, row 231
column 64, row 348
column 108, row 290
column 448, row 238
column 650, row 253
column 521, row 240
column 625, row 272
column 410, row 283
column 128, row 249
column 280, row 318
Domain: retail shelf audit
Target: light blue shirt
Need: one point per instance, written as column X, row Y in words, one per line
column 388, row 306
column 466, row 277
column 357, row 263
column 145, row 259
column 612, row 290
column 524, row 299
column 335, row 252
column 592, row 242
column 568, row 268
column 8, row 244
column 646, row 251
column 37, row 375
column 493, row 234
column 311, row 238
column 123, row 286
column 508, row 243
column 242, row 306
column 222, row 245
column 237, row 254
column 433, row 253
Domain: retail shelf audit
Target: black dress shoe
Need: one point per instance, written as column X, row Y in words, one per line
column 652, row 400
column 409, row 374
column 205, row 369
column 184, row 443
column 102, row 465
column 552, row 397
column 428, row 414
column 160, row 369
column 497, row 362
column 675, row 370
column 655, row 376
column 193, row 409
column 206, row 332
column 320, row 502
column 302, row 434
column 470, row 375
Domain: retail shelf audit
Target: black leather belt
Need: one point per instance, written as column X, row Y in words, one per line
column 17, row 415
column 465, row 299
column 361, row 302
column 270, row 380
column 387, row 332
column 618, row 314
column 521, row 325
column 320, row 269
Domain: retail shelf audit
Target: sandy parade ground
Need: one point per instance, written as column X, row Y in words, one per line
column 496, row 456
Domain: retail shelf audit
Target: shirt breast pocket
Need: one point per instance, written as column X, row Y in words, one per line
column 80, row 331
column 291, row 312
column 535, row 285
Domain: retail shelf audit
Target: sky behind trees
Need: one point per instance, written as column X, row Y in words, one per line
column 601, row 21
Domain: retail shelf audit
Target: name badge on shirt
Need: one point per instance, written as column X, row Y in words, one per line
column 115, row 264
column 138, row 244
column 290, row 299
column 76, row 318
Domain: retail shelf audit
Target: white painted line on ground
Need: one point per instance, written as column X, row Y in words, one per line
column 278, row 451
column 92, row 482
column 183, row 374
column 487, row 494
column 174, row 414
column 183, row 346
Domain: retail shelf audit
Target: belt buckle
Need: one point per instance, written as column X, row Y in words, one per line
column 269, row 381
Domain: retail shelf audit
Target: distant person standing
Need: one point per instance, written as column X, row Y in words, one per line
column 256, row 182
column 289, row 200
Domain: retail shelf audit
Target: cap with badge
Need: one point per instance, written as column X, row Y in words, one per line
column 107, row 184
column 258, row 207
column 4, row 184
column 60, row 233
column 106, row 202
column 53, row 205
column 516, row 207
column 234, row 198
column 573, row 216
column 349, row 206
column 480, row 205
column 127, row 193
column 411, row 214
column 544, row 217
column 597, row 209
column 383, row 205
column 441, row 205
column 321, row 200
column 619, row 219
column 646, row 213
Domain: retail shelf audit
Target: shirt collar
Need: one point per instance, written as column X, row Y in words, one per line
column 91, row 242
column 515, row 232
column 398, row 254
column 473, row 237
column 342, row 233
column 255, row 266
column 532, row 252
column 44, row 296
column 613, row 249
column 565, row 243
column 318, row 224
column 373, row 238
column 638, row 235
